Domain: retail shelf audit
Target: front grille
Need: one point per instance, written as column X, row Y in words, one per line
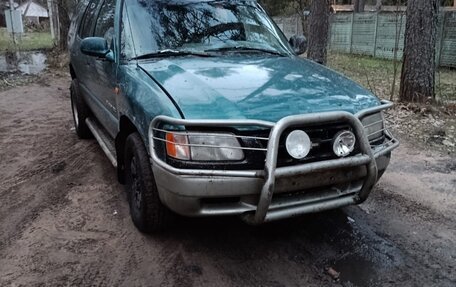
column 321, row 137
column 322, row 141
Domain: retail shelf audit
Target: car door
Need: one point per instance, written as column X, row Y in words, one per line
column 81, row 62
column 87, row 68
column 106, row 70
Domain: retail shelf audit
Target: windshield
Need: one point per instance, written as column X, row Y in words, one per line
column 199, row 27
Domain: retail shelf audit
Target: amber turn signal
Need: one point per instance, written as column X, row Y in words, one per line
column 177, row 146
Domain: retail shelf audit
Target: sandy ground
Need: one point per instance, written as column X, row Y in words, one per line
column 64, row 220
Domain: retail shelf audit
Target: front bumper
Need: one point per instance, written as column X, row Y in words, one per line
column 275, row 192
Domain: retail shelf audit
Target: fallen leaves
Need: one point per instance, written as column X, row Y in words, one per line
column 430, row 125
column 11, row 80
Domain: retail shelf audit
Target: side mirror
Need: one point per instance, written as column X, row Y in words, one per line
column 299, row 44
column 95, row 46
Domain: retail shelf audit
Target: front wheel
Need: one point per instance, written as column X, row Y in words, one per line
column 146, row 209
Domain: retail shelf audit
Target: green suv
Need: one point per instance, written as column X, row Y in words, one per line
column 206, row 109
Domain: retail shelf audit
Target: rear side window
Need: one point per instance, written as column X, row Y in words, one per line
column 85, row 30
column 105, row 22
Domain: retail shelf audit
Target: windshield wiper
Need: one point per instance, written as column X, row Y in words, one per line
column 170, row 53
column 245, row 49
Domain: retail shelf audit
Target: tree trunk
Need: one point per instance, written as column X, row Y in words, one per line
column 359, row 6
column 301, row 7
column 318, row 30
column 64, row 26
column 378, row 5
column 418, row 67
column 51, row 18
column 65, row 9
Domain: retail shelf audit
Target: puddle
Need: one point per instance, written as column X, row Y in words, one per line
column 24, row 62
column 356, row 270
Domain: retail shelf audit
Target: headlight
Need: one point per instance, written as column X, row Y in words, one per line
column 204, row 147
column 344, row 143
column 373, row 126
column 298, row 144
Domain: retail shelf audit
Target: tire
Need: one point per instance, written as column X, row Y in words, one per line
column 80, row 111
column 146, row 209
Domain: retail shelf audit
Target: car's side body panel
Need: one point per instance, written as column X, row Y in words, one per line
column 140, row 99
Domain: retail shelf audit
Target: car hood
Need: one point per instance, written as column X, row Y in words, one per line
column 251, row 87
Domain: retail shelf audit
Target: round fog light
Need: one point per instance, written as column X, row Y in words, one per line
column 298, row 144
column 344, row 143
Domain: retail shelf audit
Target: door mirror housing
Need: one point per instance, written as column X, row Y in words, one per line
column 299, row 44
column 96, row 47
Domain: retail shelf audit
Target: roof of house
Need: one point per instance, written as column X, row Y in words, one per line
column 32, row 9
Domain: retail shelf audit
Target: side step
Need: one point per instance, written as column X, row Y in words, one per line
column 103, row 138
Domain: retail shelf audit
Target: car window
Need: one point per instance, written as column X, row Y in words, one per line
column 105, row 22
column 88, row 19
column 201, row 26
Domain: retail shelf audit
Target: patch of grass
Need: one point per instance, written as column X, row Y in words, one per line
column 377, row 75
column 446, row 85
column 28, row 41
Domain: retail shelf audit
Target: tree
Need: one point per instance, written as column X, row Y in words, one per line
column 359, row 6
column 60, row 12
column 378, row 5
column 418, row 67
column 65, row 9
column 301, row 6
column 275, row 7
column 318, row 30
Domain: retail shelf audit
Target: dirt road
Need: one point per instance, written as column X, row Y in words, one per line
column 64, row 220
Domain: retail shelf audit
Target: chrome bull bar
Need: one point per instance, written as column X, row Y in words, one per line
column 271, row 172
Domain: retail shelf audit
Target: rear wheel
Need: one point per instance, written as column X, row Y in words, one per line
column 80, row 111
column 146, row 209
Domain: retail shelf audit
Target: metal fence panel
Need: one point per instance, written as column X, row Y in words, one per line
column 448, row 41
column 341, row 32
column 390, row 36
column 363, row 33
column 378, row 34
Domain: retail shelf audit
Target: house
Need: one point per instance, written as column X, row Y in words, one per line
column 33, row 13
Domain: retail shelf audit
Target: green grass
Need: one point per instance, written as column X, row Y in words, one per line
column 28, row 41
column 377, row 75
